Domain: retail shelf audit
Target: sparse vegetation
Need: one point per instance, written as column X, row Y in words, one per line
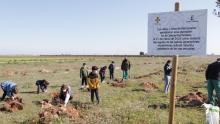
column 118, row 105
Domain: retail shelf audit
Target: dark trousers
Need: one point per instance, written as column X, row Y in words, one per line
column 96, row 92
column 102, row 77
column 43, row 88
column 3, row 96
column 111, row 75
column 84, row 81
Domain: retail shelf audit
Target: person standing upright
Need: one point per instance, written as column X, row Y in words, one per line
column 84, row 75
column 212, row 75
column 111, row 68
column 125, row 67
column 94, row 84
column 167, row 76
column 102, row 73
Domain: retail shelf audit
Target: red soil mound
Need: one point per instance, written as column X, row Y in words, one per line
column 12, row 105
column 149, row 86
column 193, row 99
column 50, row 112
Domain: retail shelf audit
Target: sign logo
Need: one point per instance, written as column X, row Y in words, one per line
column 192, row 19
column 157, row 20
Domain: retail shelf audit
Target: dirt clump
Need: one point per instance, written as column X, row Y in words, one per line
column 50, row 112
column 118, row 80
column 11, row 105
column 122, row 85
column 119, row 83
column 149, row 86
column 193, row 99
column 44, row 70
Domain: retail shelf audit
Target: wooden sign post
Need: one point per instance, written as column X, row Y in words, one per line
column 173, row 34
column 173, row 81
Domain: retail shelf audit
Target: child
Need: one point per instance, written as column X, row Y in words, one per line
column 111, row 68
column 65, row 94
column 94, row 84
column 84, row 75
column 10, row 89
column 102, row 73
column 42, row 84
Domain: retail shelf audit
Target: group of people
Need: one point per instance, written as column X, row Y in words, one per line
column 10, row 90
column 212, row 75
column 89, row 81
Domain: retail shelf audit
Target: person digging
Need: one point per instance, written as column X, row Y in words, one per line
column 42, row 84
column 9, row 89
column 65, row 94
column 94, row 84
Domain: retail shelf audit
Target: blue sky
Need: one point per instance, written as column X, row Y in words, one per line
column 88, row 26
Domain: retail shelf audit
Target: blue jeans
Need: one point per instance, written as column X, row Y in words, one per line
column 167, row 79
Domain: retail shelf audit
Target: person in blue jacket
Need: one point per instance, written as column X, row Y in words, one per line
column 9, row 88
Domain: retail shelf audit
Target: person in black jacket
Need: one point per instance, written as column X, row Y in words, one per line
column 167, row 76
column 125, row 67
column 111, row 68
column 212, row 75
column 42, row 84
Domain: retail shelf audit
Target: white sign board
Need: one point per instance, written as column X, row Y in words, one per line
column 177, row 33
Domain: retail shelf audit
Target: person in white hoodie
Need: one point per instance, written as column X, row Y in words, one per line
column 65, row 94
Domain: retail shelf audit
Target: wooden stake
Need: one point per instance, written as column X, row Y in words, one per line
column 173, row 81
column 173, row 89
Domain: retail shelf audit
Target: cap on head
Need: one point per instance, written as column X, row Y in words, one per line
column 95, row 68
